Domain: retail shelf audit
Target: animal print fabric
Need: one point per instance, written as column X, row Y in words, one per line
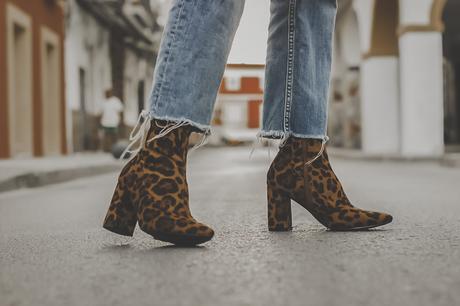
column 154, row 187
column 315, row 187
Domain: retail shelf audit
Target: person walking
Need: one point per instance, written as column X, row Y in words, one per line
column 110, row 120
column 152, row 188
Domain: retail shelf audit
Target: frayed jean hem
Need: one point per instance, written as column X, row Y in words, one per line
column 274, row 134
column 199, row 128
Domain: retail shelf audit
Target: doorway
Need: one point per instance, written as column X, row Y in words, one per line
column 19, row 59
column 254, row 113
column 51, row 93
column 82, row 135
column 140, row 96
column 451, row 52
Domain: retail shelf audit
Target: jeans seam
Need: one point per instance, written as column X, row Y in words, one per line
column 161, row 74
column 330, row 75
column 290, row 64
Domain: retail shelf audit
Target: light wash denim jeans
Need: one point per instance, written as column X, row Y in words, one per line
column 194, row 51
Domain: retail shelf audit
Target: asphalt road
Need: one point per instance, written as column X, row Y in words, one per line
column 53, row 250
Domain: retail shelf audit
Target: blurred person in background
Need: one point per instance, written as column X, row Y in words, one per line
column 110, row 120
column 152, row 189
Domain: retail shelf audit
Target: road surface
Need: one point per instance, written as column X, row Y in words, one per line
column 53, row 250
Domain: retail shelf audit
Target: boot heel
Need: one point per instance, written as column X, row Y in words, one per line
column 279, row 210
column 121, row 218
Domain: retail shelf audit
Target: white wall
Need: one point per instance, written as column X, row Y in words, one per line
column 422, row 94
column 415, row 11
column 87, row 47
column 136, row 69
column 349, row 31
column 364, row 11
column 380, row 105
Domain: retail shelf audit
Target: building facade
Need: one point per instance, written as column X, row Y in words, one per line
column 32, row 94
column 238, row 111
column 396, row 79
column 109, row 45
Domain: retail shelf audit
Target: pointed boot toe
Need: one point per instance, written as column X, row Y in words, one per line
column 193, row 235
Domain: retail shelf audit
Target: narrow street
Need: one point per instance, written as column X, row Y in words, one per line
column 53, row 250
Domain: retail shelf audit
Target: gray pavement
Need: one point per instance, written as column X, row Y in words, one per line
column 54, row 252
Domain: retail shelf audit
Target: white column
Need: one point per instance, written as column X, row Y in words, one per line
column 380, row 105
column 421, row 94
column 380, row 108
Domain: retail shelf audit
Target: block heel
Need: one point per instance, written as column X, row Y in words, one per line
column 279, row 210
column 121, row 217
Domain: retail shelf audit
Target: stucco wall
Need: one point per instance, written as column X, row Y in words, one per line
column 87, row 47
column 42, row 14
column 136, row 69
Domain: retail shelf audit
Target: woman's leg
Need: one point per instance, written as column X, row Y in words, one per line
column 191, row 63
column 298, row 68
column 152, row 188
column 295, row 110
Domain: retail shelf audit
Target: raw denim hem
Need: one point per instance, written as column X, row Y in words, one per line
column 273, row 134
column 199, row 128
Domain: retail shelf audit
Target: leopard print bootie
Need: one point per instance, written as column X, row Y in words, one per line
column 163, row 210
column 301, row 171
column 152, row 190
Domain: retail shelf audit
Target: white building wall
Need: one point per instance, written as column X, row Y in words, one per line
column 422, row 94
column 415, row 11
column 344, row 120
column 349, row 31
column 130, row 88
column 402, row 97
column 136, row 69
column 364, row 10
column 380, row 105
column 86, row 47
column 380, row 96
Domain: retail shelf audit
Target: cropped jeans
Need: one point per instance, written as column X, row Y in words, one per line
column 194, row 50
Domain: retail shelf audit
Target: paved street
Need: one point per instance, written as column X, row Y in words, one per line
column 53, row 250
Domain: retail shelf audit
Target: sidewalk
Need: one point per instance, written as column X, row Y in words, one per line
column 451, row 160
column 35, row 172
column 448, row 159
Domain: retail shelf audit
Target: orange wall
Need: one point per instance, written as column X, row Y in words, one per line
column 42, row 12
column 249, row 85
column 254, row 114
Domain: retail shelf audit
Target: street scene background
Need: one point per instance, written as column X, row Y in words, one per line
column 394, row 128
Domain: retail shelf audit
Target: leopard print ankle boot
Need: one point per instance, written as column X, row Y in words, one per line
column 301, row 171
column 163, row 210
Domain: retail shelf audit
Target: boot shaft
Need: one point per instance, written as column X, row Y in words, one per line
column 297, row 152
column 168, row 139
column 302, row 150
